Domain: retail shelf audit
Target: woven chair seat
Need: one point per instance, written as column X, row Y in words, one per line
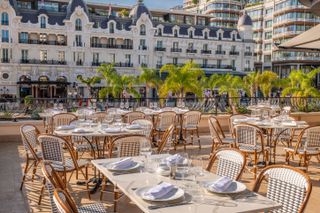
column 187, row 127
column 92, row 208
column 309, row 150
column 87, row 147
column 250, row 148
column 228, row 140
column 161, row 129
column 69, row 164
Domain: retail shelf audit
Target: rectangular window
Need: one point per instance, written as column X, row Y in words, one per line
column 23, row 37
column 113, row 58
column 247, row 66
column 175, row 45
column 159, row 60
column 204, row 62
column 43, row 55
column 43, row 38
column 95, row 58
column 128, row 58
column 175, row 60
column 218, row 63
column 233, row 63
column 233, row 48
column 268, row 35
column 142, row 44
column 268, row 24
column 205, row 47
column 190, row 46
column 5, row 55
column 78, row 41
column 5, row 35
column 219, row 48
column 24, row 54
column 159, row 44
column 61, row 56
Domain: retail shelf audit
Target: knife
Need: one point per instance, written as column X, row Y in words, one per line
column 169, row 205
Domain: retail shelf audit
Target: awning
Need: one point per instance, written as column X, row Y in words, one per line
column 307, row 40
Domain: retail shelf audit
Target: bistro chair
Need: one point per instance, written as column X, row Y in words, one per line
column 308, row 146
column 250, row 140
column 65, row 204
column 52, row 181
column 52, row 151
column 164, row 121
column 190, row 123
column 217, row 135
column 131, row 116
column 62, row 119
column 29, row 134
column 166, row 140
column 229, row 162
column 124, row 146
column 232, row 120
column 147, row 126
column 287, row 186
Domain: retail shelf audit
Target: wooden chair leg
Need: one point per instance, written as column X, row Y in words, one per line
column 191, row 136
column 35, row 165
column 197, row 131
column 115, row 198
column 255, row 164
column 41, row 191
column 25, row 173
column 103, row 187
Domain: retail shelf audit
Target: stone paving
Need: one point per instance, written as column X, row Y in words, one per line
column 16, row 201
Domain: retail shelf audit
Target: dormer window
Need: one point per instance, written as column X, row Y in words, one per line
column 190, row 34
column 159, row 32
column 233, row 37
column 142, row 29
column 111, row 27
column 219, row 36
column 4, row 19
column 78, row 25
column 175, row 33
column 43, row 22
column 205, row 35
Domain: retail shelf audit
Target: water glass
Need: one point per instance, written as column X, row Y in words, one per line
column 121, row 105
column 126, row 105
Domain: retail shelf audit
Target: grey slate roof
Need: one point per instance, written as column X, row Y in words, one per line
column 245, row 20
column 72, row 6
column 138, row 10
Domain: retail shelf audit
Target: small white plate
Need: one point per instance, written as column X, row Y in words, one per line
column 174, row 194
column 109, row 167
column 82, row 131
column 65, row 127
column 234, row 188
column 113, row 130
column 134, row 126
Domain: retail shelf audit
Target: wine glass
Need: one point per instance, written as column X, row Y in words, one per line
column 126, row 105
column 109, row 118
column 121, row 105
column 55, row 106
column 60, row 106
column 151, row 105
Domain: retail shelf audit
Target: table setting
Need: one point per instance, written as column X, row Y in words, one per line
column 142, row 181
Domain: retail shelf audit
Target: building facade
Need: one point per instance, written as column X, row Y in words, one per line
column 275, row 22
column 45, row 45
column 224, row 13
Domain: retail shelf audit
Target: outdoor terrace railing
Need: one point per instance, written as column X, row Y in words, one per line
column 211, row 105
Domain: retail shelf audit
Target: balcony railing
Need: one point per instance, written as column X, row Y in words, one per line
column 5, row 39
column 6, row 23
column 206, row 51
column 36, row 61
column 5, row 60
column 234, row 53
column 219, row 52
column 33, row 41
column 176, row 50
column 119, row 64
column 216, row 66
column 191, row 51
column 248, row 53
column 160, row 49
column 111, row 46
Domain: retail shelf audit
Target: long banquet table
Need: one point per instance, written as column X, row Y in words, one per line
column 129, row 183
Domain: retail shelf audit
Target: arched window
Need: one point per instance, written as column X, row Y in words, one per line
column 4, row 19
column 43, row 22
column 111, row 27
column 78, row 25
column 142, row 29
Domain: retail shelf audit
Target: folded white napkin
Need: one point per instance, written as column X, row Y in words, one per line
column 79, row 130
column 113, row 129
column 65, row 127
column 221, row 185
column 125, row 163
column 159, row 191
column 134, row 126
column 175, row 159
column 289, row 123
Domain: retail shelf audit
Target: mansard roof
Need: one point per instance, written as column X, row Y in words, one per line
column 73, row 4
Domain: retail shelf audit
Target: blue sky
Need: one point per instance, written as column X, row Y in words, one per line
column 163, row 4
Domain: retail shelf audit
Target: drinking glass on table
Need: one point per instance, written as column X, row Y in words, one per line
column 109, row 118
column 183, row 168
column 60, row 106
column 121, row 105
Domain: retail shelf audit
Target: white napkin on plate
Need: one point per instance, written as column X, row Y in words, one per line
column 175, row 159
column 65, row 127
column 113, row 129
column 134, row 126
column 159, row 190
column 125, row 163
column 289, row 123
column 79, row 130
column 221, row 185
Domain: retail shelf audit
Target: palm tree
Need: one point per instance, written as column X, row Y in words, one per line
column 89, row 82
column 227, row 84
column 300, row 85
column 151, row 79
column 108, row 72
column 124, row 13
column 182, row 79
column 251, row 83
column 267, row 81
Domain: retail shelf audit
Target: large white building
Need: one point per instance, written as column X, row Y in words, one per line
column 275, row 22
column 45, row 45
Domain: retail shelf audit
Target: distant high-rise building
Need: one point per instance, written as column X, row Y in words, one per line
column 275, row 22
column 225, row 13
